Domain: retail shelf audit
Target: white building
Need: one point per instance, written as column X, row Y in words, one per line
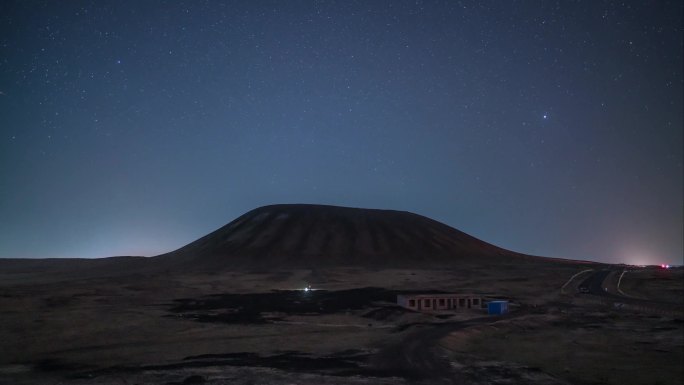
column 437, row 302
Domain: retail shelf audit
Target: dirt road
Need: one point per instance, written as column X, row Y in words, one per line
column 418, row 355
column 595, row 284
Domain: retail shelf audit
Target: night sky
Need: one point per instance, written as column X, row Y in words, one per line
column 135, row 127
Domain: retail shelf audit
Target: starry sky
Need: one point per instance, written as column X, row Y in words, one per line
column 549, row 128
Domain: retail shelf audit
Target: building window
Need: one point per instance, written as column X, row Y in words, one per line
column 461, row 302
column 426, row 302
column 442, row 303
column 476, row 301
column 412, row 303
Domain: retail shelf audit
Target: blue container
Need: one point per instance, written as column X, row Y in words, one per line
column 497, row 307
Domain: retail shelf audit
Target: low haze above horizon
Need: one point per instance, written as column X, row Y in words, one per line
column 548, row 128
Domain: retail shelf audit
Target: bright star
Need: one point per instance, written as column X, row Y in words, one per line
column 545, row 116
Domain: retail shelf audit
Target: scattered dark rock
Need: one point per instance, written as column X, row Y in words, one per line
column 55, row 365
column 386, row 312
column 257, row 308
column 194, row 380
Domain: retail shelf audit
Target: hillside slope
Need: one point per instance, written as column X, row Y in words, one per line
column 299, row 235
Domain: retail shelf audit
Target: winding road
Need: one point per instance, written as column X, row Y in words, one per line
column 595, row 284
column 417, row 356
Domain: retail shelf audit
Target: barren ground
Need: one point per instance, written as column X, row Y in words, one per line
column 234, row 327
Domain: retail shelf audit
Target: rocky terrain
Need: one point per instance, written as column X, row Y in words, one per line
column 230, row 308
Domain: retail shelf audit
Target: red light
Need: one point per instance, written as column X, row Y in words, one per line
column 662, row 266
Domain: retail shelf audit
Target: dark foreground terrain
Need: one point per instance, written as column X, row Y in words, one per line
column 259, row 327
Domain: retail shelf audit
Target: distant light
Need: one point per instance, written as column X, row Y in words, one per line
column 664, row 266
column 545, row 116
column 306, row 289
